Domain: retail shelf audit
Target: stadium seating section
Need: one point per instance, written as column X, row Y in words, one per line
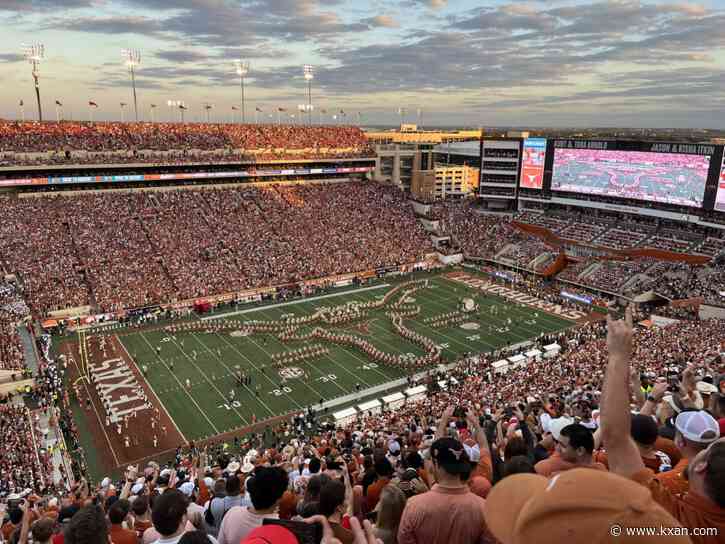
column 71, row 142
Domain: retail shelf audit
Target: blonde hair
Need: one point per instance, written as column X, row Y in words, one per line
column 390, row 509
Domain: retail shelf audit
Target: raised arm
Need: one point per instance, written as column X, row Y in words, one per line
column 442, row 429
column 615, row 418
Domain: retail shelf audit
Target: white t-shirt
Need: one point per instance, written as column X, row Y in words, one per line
column 238, row 523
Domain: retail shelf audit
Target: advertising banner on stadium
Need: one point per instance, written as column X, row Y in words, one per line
column 178, row 176
column 669, row 173
column 532, row 164
column 576, row 298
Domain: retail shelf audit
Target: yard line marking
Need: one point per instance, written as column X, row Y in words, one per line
column 331, row 359
column 270, row 306
column 257, row 368
column 518, row 311
column 230, row 371
column 152, row 390
column 203, row 413
column 210, row 382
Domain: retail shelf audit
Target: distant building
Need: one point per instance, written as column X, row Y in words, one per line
column 453, row 181
column 396, row 162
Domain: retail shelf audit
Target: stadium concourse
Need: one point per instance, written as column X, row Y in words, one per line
column 619, row 428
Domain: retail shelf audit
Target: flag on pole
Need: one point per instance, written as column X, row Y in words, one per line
column 21, row 103
column 58, row 103
column 235, row 108
column 258, row 109
column 153, row 105
column 182, row 107
column 281, row 109
column 123, row 104
column 92, row 104
column 342, row 112
column 323, row 111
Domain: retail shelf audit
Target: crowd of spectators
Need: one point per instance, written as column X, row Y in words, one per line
column 116, row 250
column 12, row 311
column 457, row 466
column 75, row 142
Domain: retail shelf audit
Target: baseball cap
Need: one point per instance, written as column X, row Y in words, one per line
column 270, row 534
column 450, row 454
column 187, row 488
column 556, row 425
column 473, row 452
column 698, row 426
column 393, row 446
column 706, row 388
column 578, row 505
column 136, row 489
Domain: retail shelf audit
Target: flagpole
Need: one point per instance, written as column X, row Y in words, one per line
column 90, row 113
column 22, row 111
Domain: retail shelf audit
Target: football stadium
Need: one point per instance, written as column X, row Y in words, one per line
column 242, row 331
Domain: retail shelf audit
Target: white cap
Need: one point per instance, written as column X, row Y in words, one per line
column 698, row 426
column 232, row 467
column 209, row 482
column 106, row 482
column 556, row 425
column 706, row 388
column 136, row 489
column 474, row 453
column 187, row 488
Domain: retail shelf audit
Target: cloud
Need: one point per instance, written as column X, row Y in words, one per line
column 181, row 56
column 37, row 5
column 109, row 25
column 385, row 21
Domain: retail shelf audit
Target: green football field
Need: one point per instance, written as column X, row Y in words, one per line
column 209, row 360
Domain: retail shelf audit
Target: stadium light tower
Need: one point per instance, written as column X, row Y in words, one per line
column 309, row 76
column 242, row 70
column 132, row 58
column 35, row 53
column 208, row 107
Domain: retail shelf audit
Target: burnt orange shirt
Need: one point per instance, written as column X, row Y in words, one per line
column 374, row 490
column 288, row 505
column 673, row 479
column 119, row 535
column 691, row 510
column 555, row 464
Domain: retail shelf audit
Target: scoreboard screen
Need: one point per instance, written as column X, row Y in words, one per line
column 720, row 196
column 666, row 173
column 532, row 163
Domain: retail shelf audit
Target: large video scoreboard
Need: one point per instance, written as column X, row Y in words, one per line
column 666, row 173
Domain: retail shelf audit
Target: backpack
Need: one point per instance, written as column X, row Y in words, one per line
column 209, row 517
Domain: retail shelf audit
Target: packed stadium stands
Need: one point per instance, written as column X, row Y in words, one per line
column 560, row 416
column 71, row 142
column 115, row 250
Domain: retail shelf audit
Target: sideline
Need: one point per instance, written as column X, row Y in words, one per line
column 300, row 301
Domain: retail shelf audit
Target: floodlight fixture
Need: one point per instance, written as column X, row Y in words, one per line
column 35, row 54
column 242, row 68
column 132, row 60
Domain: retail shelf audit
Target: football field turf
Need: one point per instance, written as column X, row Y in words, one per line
column 209, row 360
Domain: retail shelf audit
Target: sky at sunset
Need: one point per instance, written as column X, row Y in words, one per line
column 554, row 63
